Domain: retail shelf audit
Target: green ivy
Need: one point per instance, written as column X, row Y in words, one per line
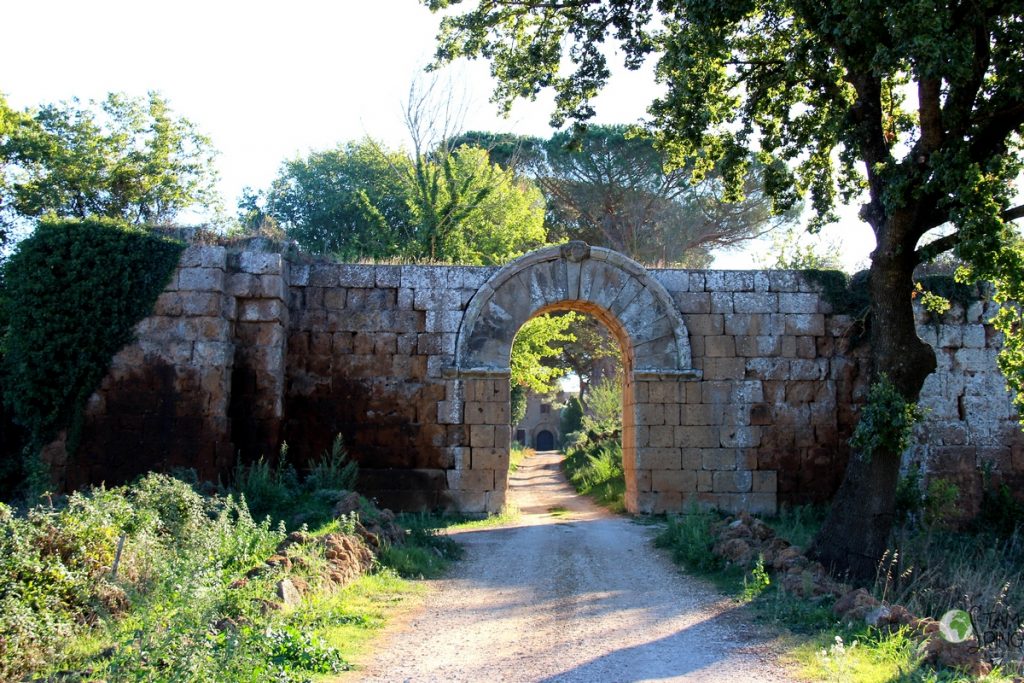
column 72, row 293
column 886, row 421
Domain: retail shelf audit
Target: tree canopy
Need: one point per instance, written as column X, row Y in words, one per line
column 914, row 108
column 126, row 158
column 363, row 200
column 610, row 186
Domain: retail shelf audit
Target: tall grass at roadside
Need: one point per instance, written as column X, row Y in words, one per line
column 596, row 470
column 689, row 539
column 593, row 455
column 517, row 453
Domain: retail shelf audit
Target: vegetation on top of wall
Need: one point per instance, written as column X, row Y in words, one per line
column 71, row 296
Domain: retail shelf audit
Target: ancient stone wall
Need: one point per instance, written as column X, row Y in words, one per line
column 741, row 390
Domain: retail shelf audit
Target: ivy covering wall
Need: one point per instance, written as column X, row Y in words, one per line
column 72, row 294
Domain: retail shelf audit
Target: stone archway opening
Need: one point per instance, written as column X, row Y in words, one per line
column 571, row 402
column 656, row 361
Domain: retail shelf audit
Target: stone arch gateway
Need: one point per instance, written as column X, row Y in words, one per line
column 632, row 305
column 743, row 386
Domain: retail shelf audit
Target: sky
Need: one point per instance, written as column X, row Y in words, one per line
column 268, row 81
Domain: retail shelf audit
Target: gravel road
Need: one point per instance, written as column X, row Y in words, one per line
column 574, row 595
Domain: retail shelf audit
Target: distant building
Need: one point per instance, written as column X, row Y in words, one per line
column 539, row 429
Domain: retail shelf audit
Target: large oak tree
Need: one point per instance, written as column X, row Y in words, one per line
column 917, row 106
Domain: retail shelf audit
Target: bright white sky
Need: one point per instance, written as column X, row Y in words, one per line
column 267, row 81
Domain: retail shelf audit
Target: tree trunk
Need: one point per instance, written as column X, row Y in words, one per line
column 856, row 533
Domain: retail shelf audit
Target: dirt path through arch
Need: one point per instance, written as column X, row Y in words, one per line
column 569, row 593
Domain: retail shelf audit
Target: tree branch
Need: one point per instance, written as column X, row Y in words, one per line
column 936, row 247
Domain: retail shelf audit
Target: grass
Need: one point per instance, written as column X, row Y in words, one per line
column 517, row 453
column 594, row 468
column 925, row 574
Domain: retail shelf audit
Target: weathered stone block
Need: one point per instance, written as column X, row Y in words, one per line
column 816, row 369
column 474, row 413
column 740, row 437
column 648, row 458
column 721, row 302
column 765, row 481
column 720, row 346
column 259, row 263
column 353, row 275
column 201, row 279
column 723, row 368
column 471, row 480
column 200, row 256
column 783, row 281
column 699, row 414
column 718, row 459
column 490, row 459
column 683, row 481
column 425, row 277
column 753, row 302
column 661, row 436
column 805, row 324
column 212, row 353
column 691, row 436
column 650, row 414
column 705, row 481
column 798, row 303
column 261, row 310
column 481, row 436
column 739, row 481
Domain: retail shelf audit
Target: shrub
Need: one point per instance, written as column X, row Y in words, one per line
column 333, row 470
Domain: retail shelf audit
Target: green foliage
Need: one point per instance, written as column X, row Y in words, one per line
column 593, row 458
column 847, row 294
column 126, row 158
column 1000, row 513
column 290, row 648
column 909, row 494
column 517, row 403
column 186, row 603
column 470, row 211
column 364, row 201
column 334, row 470
column 940, row 502
column 533, row 346
column 517, row 453
column 278, row 491
column 350, row 201
column 604, row 407
column 689, row 539
column 757, row 582
column 56, row 562
column 571, row 419
column 594, row 468
column 72, row 294
column 426, row 552
column 886, row 423
column 608, row 185
column 930, row 301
